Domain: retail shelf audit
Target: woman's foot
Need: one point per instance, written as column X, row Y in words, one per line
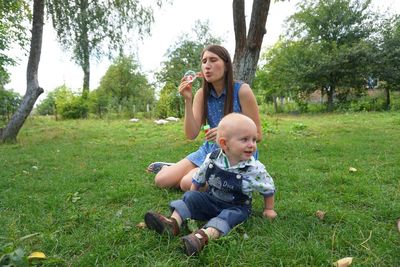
column 155, row 167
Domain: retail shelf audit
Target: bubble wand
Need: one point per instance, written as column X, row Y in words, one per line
column 206, row 128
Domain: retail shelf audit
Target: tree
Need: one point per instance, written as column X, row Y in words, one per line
column 33, row 91
column 182, row 56
column 286, row 72
column 336, row 33
column 247, row 48
column 86, row 27
column 126, row 86
column 13, row 15
column 387, row 66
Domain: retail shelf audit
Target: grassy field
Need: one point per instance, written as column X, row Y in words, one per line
column 76, row 190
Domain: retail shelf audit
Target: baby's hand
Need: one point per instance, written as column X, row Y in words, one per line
column 270, row 214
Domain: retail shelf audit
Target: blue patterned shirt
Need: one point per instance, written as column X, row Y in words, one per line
column 255, row 176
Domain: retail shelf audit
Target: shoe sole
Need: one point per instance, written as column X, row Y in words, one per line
column 189, row 248
column 158, row 168
column 152, row 222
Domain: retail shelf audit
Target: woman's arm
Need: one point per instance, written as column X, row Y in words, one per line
column 193, row 115
column 249, row 106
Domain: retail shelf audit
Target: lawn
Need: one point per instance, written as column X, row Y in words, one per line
column 77, row 190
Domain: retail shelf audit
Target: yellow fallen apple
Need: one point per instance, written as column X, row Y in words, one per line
column 352, row 169
column 37, row 255
column 344, row 262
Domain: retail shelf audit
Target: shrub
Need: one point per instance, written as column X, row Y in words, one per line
column 76, row 108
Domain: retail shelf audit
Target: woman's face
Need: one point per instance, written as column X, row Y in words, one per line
column 213, row 67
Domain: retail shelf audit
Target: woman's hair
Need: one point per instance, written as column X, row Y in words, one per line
column 228, row 78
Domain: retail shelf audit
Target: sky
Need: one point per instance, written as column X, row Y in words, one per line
column 56, row 67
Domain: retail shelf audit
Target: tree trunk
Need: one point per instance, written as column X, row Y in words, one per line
column 330, row 92
column 247, row 49
column 33, row 91
column 85, row 49
column 275, row 104
column 387, row 98
column 86, row 77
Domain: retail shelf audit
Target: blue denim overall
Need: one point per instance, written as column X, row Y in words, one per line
column 225, row 185
column 223, row 204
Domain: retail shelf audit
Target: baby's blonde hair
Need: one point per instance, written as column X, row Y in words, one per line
column 229, row 125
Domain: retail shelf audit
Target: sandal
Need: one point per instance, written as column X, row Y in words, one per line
column 155, row 167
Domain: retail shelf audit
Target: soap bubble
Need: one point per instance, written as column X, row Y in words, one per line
column 190, row 76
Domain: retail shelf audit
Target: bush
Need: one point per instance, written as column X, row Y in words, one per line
column 76, row 108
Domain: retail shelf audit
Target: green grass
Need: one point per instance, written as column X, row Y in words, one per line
column 81, row 188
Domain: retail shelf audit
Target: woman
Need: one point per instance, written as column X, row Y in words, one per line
column 218, row 96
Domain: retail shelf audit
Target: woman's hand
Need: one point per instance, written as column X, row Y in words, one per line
column 211, row 135
column 185, row 89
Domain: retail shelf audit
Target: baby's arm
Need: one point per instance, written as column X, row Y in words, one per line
column 194, row 187
column 199, row 178
column 269, row 207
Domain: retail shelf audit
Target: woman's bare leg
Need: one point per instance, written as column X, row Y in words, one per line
column 186, row 181
column 171, row 176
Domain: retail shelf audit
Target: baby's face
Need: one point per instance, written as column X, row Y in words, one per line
column 242, row 143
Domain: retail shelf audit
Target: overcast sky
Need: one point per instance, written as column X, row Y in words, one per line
column 56, row 68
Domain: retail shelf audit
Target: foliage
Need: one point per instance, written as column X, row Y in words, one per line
column 99, row 103
column 182, row 56
column 62, row 101
column 94, row 28
column 387, row 57
column 48, row 105
column 123, row 87
column 286, row 72
column 13, row 16
column 9, row 102
column 82, row 184
column 74, row 108
column 373, row 101
column 327, row 48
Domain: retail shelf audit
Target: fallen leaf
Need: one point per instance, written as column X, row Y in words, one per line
column 344, row 262
column 118, row 214
column 352, row 169
column 37, row 255
column 141, row 225
column 320, row 214
column 398, row 225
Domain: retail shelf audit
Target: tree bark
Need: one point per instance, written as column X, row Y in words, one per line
column 247, row 49
column 85, row 49
column 387, row 98
column 33, row 91
column 330, row 93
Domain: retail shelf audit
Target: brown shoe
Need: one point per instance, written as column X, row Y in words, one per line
column 161, row 224
column 193, row 244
